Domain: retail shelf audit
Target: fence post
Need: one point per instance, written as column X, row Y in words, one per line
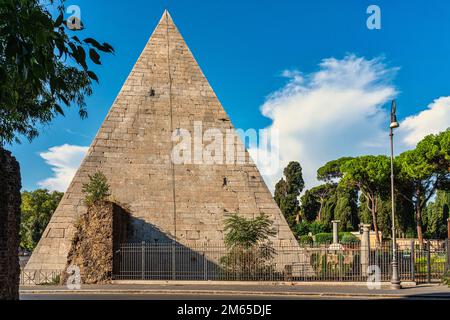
column 428, row 251
column 413, row 261
column 173, row 261
column 205, row 265
column 143, row 260
column 447, row 247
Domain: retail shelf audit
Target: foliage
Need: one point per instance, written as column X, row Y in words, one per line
column 97, row 189
column 332, row 170
column 310, row 205
column 404, row 213
column 346, row 210
column 425, row 170
column 436, row 215
column 332, row 200
column 287, row 191
column 370, row 174
column 280, row 191
column 323, row 238
column 36, row 210
column 327, row 237
column 294, row 178
column 289, row 206
column 255, row 263
column 305, row 240
column 301, row 229
column 318, row 227
column 247, row 233
column 404, row 222
column 305, row 227
column 334, row 265
column 249, row 254
column 42, row 67
column 348, row 238
column 328, row 210
column 358, row 190
column 437, row 262
column 315, row 200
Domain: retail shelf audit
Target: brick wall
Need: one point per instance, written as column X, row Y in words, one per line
column 10, row 186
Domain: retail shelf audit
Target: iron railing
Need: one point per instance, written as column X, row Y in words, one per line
column 351, row 262
column 39, row 277
column 173, row 261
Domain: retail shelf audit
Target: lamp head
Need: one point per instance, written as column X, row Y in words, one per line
column 394, row 125
column 394, row 122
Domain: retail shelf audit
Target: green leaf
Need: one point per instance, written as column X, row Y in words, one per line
column 105, row 47
column 12, row 48
column 59, row 20
column 64, row 99
column 80, row 57
column 92, row 42
column 76, row 39
column 95, row 57
column 92, row 75
column 108, row 47
column 59, row 109
column 74, row 48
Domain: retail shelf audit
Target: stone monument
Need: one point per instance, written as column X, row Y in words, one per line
column 165, row 93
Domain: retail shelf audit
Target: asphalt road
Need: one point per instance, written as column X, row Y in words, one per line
column 171, row 297
column 231, row 292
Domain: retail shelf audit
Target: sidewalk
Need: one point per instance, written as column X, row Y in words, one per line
column 300, row 290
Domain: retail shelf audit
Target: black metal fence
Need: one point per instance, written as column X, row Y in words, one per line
column 173, row 261
column 40, row 277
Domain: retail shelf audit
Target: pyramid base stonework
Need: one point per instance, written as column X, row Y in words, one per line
column 166, row 91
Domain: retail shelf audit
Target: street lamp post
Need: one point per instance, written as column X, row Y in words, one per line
column 395, row 281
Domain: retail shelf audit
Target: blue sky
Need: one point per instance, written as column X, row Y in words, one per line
column 244, row 48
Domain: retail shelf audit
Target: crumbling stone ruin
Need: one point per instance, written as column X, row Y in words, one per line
column 98, row 234
column 9, row 226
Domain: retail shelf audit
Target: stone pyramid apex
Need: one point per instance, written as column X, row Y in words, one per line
column 166, row 18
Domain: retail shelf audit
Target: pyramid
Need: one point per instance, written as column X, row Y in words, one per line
column 166, row 91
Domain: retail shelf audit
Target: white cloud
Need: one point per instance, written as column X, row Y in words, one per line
column 338, row 111
column 64, row 161
column 333, row 112
column 434, row 119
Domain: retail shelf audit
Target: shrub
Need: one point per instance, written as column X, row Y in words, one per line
column 97, row 189
column 323, row 238
column 249, row 255
column 301, row 229
column 255, row 263
column 247, row 233
column 305, row 240
column 318, row 227
column 437, row 262
column 348, row 238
